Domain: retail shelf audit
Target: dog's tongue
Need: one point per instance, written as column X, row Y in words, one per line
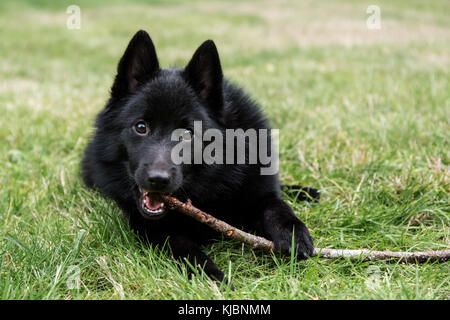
column 153, row 202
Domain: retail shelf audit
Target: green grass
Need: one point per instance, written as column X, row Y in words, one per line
column 363, row 115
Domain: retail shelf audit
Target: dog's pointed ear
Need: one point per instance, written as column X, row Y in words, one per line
column 138, row 63
column 204, row 73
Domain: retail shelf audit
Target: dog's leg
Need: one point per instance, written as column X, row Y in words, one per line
column 185, row 249
column 279, row 222
column 182, row 248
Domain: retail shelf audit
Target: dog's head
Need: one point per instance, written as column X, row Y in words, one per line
column 154, row 110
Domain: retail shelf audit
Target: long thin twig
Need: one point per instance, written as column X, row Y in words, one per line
column 262, row 243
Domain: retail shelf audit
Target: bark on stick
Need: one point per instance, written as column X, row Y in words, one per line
column 262, row 243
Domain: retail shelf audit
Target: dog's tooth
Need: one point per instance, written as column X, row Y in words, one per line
column 162, row 204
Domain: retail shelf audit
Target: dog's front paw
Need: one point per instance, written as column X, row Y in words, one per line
column 303, row 242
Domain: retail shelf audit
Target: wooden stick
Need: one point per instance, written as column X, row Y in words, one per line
column 365, row 254
column 262, row 243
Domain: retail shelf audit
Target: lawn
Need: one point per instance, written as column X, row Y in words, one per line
column 364, row 115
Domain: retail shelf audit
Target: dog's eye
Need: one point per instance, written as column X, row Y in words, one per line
column 187, row 135
column 141, row 127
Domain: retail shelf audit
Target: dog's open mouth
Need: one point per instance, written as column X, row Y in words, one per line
column 152, row 204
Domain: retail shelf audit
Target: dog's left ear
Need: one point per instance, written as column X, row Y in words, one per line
column 204, row 73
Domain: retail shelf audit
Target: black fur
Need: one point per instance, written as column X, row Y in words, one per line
column 118, row 161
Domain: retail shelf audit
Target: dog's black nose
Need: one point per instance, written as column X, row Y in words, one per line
column 158, row 179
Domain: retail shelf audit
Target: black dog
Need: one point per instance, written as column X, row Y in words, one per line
column 129, row 157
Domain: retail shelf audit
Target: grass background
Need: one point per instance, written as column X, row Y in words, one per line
column 363, row 115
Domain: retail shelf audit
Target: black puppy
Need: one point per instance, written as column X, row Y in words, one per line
column 130, row 157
